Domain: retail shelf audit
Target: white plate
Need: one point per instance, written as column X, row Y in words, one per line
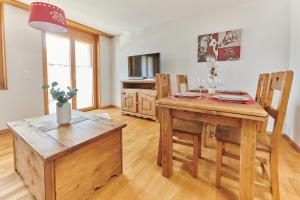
column 190, row 94
column 231, row 91
column 232, row 97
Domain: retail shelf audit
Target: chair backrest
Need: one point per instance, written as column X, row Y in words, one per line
column 182, row 79
column 163, row 85
column 262, row 89
column 281, row 82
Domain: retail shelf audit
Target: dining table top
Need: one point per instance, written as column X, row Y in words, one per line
column 207, row 105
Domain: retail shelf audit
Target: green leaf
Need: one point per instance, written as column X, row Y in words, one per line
column 59, row 104
column 54, row 84
column 45, row 86
column 61, row 99
column 59, row 95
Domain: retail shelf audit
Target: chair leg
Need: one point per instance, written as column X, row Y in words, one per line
column 205, row 129
column 219, row 153
column 213, row 130
column 199, row 154
column 274, row 178
column 264, row 128
column 195, row 156
column 159, row 154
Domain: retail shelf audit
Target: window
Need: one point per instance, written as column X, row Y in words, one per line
column 84, row 74
column 3, row 78
column 70, row 59
column 58, row 63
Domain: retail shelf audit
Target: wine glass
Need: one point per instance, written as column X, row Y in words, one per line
column 201, row 83
column 220, row 82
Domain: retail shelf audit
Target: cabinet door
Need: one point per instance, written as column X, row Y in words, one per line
column 146, row 103
column 129, row 101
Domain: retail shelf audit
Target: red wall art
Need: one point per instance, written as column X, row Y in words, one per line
column 223, row 46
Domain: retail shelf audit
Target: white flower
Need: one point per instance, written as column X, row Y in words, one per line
column 58, row 17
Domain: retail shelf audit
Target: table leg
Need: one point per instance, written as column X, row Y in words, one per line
column 49, row 180
column 159, row 153
column 167, row 141
column 14, row 148
column 247, row 161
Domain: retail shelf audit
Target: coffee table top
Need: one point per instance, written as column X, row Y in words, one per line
column 51, row 140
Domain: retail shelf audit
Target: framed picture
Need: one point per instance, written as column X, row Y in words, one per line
column 223, row 46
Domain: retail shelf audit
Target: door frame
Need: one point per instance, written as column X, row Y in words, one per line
column 73, row 35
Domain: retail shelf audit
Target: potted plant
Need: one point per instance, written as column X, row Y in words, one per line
column 63, row 107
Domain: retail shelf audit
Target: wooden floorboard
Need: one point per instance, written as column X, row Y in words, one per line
column 142, row 179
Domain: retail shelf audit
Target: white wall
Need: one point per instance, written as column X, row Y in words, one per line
column 105, row 71
column 265, row 28
column 24, row 97
column 293, row 115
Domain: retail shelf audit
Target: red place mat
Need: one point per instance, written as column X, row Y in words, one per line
column 236, row 102
column 237, row 92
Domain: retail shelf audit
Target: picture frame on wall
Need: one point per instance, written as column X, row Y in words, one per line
column 223, row 46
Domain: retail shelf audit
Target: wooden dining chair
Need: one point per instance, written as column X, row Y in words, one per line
column 182, row 79
column 262, row 89
column 261, row 98
column 267, row 146
column 187, row 133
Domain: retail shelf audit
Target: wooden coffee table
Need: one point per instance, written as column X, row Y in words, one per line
column 67, row 162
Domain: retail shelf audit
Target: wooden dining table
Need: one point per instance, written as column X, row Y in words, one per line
column 245, row 116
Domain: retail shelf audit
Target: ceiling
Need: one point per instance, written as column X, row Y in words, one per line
column 118, row 16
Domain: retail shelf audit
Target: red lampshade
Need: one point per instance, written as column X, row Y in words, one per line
column 46, row 17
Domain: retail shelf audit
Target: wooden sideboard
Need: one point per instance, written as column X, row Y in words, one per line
column 138, row 98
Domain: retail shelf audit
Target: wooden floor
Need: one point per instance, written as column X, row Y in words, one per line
column 142, row 178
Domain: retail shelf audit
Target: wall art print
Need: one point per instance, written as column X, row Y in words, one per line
column 223, row 46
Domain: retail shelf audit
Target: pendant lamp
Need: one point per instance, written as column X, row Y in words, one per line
column 47, row 18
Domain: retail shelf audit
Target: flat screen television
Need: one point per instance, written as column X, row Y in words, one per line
column 143, row 66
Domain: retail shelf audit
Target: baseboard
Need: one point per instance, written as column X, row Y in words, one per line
column 4, row 130
column 139, row 115
column 109, row 106
column 291, row 142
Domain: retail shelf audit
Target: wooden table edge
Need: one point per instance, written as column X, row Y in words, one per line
column 262, row 118
column 78, row 146
column 67, row 150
